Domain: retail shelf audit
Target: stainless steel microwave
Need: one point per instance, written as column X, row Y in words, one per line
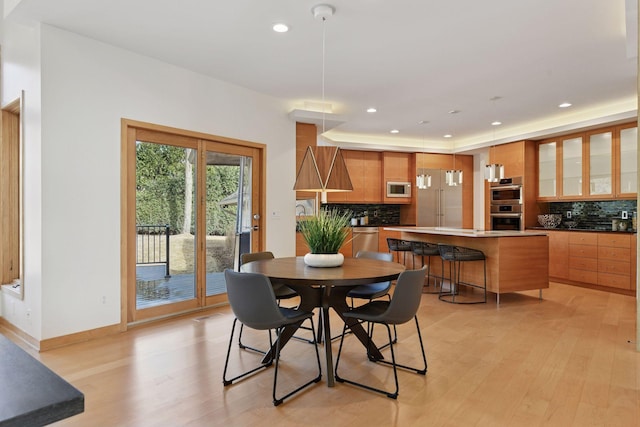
column 398, row 189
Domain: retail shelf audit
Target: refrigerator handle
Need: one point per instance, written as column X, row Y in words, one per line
column 440, row 191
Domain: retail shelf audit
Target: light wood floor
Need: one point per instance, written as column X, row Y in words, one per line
column 567, row 360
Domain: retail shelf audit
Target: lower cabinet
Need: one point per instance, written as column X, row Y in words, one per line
column 616, row 261
column 559, row 255
column 603, row 260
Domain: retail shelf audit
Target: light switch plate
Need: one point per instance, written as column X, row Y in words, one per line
column 625, row 215
column 568, row 214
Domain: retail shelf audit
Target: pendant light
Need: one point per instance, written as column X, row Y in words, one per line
column 423, row 180
column 453, row 176
column 323, row 168
column 494, row 172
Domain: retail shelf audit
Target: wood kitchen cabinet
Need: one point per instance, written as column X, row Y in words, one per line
column 600, row 260
column 617, row 260
column 593, row 165
column 306, row 136
column 365, row 172
column 519, row 160
column 398, row 167
column 558, row 255
column 583, row 257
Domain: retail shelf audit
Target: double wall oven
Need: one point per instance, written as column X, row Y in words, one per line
column 506, row 204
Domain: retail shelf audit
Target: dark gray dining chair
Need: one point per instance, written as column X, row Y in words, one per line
column 254, row 304
column 368, row 291
column 282, row 292
column 401, row 309
column 372, row 290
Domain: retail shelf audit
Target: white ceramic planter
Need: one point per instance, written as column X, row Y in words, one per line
column 323, row 260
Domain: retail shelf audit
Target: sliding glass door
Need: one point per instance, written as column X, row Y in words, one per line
column 229, row 213
column 197, row 207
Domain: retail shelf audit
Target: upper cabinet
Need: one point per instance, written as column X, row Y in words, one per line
column 627, row 162
column 547, row 160
column 365, row 173
column 572, row 167
column 306, row 136
column 598, row 164
column 398, row 167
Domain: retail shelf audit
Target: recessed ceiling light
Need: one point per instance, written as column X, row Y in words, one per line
column 371, row 110
column 395, row 131
column 423, row 122
column 496, row 123
column 565, row 105
column 280, row 28
column 448, row 135
column 454, row 111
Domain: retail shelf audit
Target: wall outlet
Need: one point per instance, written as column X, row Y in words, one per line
column 568, row 214
column 625, row 215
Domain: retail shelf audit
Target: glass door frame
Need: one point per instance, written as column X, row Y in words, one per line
column 257, row 234
column 133, row 131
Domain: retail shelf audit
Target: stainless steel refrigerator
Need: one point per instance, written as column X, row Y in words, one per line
column 440, row 205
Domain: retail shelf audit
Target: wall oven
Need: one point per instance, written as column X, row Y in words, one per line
column 506, row 204
column 506, row 217
column 508, row 191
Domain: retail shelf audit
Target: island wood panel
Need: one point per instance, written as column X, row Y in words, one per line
column 513, row 263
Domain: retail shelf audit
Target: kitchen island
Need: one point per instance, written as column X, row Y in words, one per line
column 516, row 260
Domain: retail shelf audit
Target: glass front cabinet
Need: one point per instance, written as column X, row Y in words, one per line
column 597, row 164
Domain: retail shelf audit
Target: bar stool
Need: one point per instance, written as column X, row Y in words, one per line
column 400, row 246
column 425, row 249
column 456, row 255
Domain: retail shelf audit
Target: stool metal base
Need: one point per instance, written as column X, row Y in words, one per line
column 456, row 255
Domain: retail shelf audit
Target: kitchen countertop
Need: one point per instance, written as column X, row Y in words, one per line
column 32, row 394
column 465, row 232
column 589, row 230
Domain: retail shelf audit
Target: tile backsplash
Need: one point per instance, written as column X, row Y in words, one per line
column 378, row 214
column 596, row 215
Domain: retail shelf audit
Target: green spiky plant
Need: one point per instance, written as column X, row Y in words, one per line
column 326, row 232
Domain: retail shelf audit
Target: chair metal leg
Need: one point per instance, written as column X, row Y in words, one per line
column 246, row 347
column 278, row 400
column 393, row 363
column 229, row 381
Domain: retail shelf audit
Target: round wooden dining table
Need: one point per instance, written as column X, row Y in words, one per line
column 326, row 288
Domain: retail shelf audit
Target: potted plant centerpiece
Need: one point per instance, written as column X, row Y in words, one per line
column 325, row 234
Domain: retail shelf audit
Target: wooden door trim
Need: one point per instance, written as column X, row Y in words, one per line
column 191, row 139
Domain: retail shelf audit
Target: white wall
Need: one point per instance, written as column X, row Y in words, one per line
column 21, row 72
column 87, row 87
column 480, row 160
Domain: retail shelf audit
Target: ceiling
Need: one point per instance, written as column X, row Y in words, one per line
column 413, row 60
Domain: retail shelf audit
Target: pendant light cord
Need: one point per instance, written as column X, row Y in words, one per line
column 324, row 20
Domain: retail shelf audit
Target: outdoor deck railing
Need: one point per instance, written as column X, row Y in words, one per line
column 153, row 245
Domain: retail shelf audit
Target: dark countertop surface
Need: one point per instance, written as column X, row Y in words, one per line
column 32, row 394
